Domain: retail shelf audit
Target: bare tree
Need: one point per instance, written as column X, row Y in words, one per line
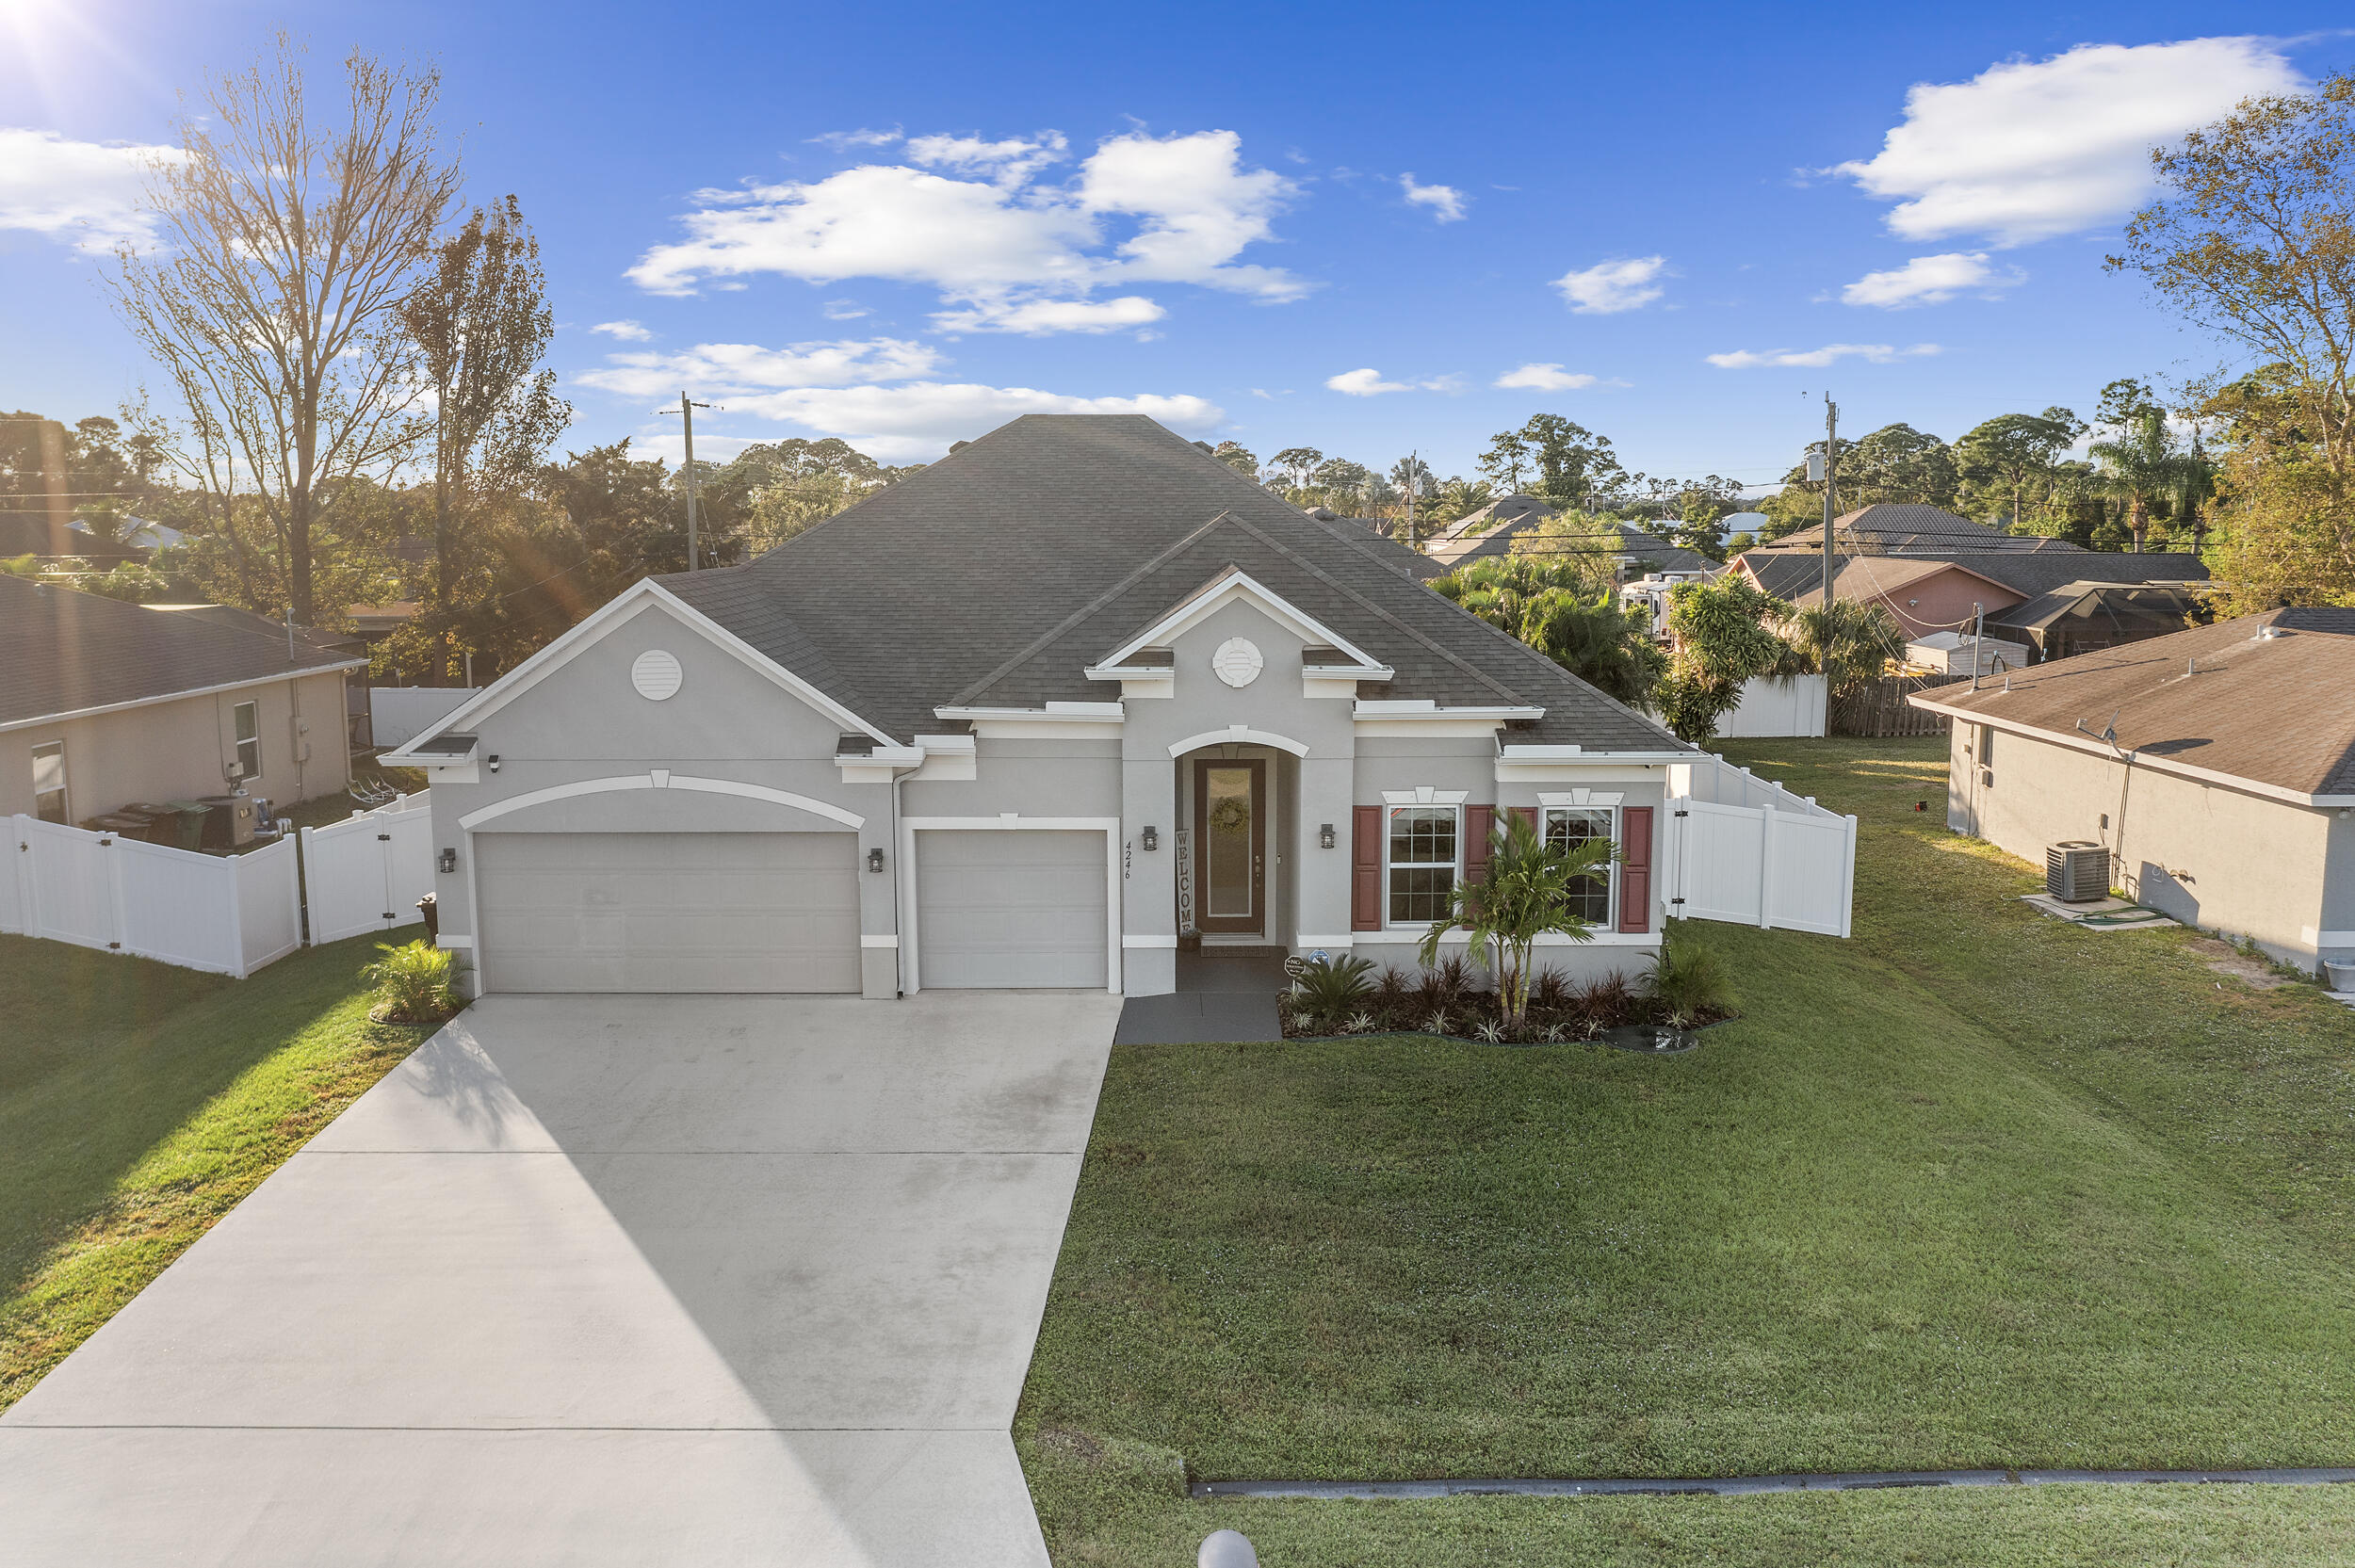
column 287, row 245
column 480, row 322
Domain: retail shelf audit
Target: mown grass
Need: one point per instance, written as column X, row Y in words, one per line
column 1972, row 1190
column 139, row 1102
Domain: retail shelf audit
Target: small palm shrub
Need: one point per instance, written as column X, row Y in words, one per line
column 1606, row 1001
column 1393, row 989
column 1329, row 989
column 1549, row 992
column 414, row 983
column 1445, row 983
column 1687, row 981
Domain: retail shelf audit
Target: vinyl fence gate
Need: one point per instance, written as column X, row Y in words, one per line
column 228, row 914
column 1745, row 850
column 368, row 872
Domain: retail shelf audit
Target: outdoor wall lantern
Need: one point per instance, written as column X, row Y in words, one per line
column 1325, row 836
column 448, row 862
column 874, row 859
column 494, row 760
column 1152, row 837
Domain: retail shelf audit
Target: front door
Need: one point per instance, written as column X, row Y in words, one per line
column 1230, row 846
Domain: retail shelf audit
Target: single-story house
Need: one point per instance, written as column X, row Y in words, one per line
column 2080, row 617
column 1945, row 592
column 893, row 753
column 1964, row 653
column 106, row 704
column 2216, row 764
column 1496, row 528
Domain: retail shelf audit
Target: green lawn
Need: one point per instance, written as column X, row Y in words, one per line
column 1972, row 1189
column 139, row 1102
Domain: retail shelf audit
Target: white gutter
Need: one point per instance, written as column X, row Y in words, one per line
column 1053, row 713
column 182, row 696
column 2093, row 746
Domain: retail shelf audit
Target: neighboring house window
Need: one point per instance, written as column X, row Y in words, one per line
column 1567, row 827
column 248, row 716
column 1423, row 844
column 1987, row 746
column 49, row 781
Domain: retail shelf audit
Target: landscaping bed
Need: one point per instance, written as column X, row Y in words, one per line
column 1451, row 1001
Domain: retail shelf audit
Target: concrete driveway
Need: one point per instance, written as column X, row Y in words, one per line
column 597, row 1280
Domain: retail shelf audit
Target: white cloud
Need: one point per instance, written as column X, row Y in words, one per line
column 628, row 331
column 842, row 141
column 1611, row 287
column 1038, row 317
column 1545, row 377
column 1931, row 280
column 999, row 240
column 1445, row 202
column 2030, row 149
column 1872, row 353
column 1365, row 384
column 86, row 194
column 733, row 369
column 844, row 310
column 917, row 420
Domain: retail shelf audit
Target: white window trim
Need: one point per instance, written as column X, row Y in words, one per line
column 1610, row 920
column 65, row 776
column 1393, row 800
column 237, row 745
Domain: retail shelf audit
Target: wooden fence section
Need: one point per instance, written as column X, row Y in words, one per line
column 1879, row 708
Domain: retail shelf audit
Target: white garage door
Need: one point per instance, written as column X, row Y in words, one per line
column 1009, row 908
column 668, row 912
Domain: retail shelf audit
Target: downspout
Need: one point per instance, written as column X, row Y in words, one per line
column 899, row 930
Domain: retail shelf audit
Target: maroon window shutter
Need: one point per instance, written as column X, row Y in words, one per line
column 1528, row 814
column 1635, row 868
column 1365, row 881
column 1480, row 822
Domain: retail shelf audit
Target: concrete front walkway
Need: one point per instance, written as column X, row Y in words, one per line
column 588, row 1281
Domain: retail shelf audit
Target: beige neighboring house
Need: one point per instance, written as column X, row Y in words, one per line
column 2216, row 765
column 105, row 704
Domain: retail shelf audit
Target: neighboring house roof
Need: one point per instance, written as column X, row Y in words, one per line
column 69, row 652
column 1658, row 554
column 1460, row 544
column 1910, row 528
column 2266, row 699
column 915, row 599
column 1798, row 575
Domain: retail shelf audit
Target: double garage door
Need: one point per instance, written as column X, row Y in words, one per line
column 779, row 912
column 668, row 912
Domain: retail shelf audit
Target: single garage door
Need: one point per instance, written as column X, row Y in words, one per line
column 668, row 912
column 1009, row 908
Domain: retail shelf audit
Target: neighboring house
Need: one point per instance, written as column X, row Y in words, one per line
column 894, row 754
column 1653, row 594
column 1962, row 654
column 106, row 703
column 1911, row 528
column 1495, row 529
column 2216, row 764
column 2082, row 617
column 1945, row 592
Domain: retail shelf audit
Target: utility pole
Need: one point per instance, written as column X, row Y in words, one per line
column 1410, row 499
column 687, row 407
column 1831, row 486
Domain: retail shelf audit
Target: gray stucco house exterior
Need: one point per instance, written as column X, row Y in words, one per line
column 1028, row 718
column 2216, row 764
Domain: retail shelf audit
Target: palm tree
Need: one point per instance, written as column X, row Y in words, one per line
column 1522, row 895
column 2140, row 464
column 1848, row 642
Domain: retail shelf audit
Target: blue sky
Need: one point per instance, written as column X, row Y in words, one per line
column 1339, row 227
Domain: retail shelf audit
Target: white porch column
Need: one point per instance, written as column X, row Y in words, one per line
column 1148, row 922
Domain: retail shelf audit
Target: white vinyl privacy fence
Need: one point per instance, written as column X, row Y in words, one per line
column 229, row 915
column 368, row 872
column 1745, row 850
column 226, row 913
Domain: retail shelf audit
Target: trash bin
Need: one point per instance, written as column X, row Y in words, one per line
column 430, row 908
column 190, row 828
column 123, row 824
column 163, row 820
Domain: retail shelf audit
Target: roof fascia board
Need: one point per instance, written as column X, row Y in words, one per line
column 1408, row 712
column 1059, row 713
column 1230, row 586
column 2094, row 747
column 105, row 709
column 624, row 605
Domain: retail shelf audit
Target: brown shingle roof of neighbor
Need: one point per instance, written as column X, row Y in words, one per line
column 995, row 577
column 1798, row 575
column 1911, row 527
column 2266, row 697
column 63, row 652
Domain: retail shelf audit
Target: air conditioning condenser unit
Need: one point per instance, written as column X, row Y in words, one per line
column 2077, row 871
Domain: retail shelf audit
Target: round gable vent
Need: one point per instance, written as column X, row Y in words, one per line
column 1238, row 661
column 657, row 674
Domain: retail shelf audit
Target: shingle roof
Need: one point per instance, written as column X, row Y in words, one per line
column 2141, row 600
column 67, row 651
column 1910, row 527
column 1798, row 575
column 993, row 577
column 2277, row 710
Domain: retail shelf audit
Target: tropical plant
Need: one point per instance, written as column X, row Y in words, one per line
column 1721, row 642
column 2141, row 465
column 414, row 983
column 1328, row 988
column 1523, row 894
column 1848, row 642
column 1687, row 979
